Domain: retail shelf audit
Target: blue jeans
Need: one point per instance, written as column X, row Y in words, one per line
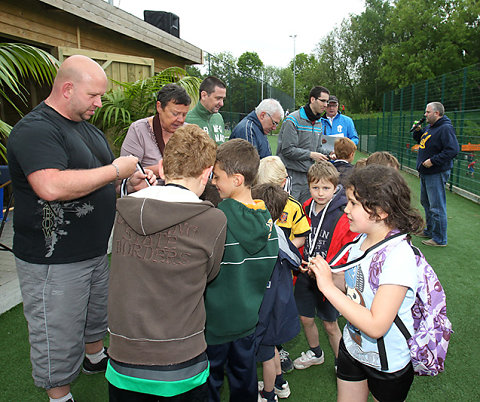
column 433, row 199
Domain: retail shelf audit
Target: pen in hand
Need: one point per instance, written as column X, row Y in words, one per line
column 140, row 167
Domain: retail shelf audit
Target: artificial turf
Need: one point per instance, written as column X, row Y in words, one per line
column 458, row 267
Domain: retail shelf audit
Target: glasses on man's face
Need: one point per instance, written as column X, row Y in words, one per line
column 332, row 104
column 275, row 123
column 323, row 100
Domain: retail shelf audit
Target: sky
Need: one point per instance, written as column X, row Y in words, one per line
column 257, row 26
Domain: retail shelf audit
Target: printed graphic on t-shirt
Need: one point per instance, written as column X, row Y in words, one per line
column 355, row 283
column 55, row 220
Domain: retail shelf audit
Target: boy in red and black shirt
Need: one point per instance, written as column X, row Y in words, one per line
column 330, row 230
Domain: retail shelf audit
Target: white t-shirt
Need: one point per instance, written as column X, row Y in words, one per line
column 399, row 268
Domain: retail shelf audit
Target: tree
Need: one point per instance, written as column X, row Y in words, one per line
column 335, row 70
column 272, row 76
column 194, row 71
column 366, row 38
column 249, row 62
column 17, row 63
column 425, row 44
column 221, row 65
column 306, row 68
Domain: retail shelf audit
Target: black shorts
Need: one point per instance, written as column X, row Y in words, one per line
column 383, row 386
column 311, row 302
column 265, row 353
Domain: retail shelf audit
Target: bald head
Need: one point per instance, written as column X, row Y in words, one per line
column 77, row 68
column 78, row 88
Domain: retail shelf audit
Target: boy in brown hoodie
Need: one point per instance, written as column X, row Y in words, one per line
column 167, row 245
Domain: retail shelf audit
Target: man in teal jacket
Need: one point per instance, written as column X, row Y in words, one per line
column 205, row 113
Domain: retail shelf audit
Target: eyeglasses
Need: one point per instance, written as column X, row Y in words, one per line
column 323, row 100
column 275, row 123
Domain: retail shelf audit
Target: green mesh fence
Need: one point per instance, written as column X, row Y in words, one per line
column 459, row 92
column 244, row 90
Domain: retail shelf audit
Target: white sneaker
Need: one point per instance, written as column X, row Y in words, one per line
column 308, row 359
column 281, row 393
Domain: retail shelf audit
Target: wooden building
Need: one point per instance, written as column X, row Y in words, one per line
column 127, row 47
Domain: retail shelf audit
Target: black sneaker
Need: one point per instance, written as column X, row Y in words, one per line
column 89, row 368
column 285, row 361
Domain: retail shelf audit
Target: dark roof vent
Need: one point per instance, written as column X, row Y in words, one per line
column 167, row 22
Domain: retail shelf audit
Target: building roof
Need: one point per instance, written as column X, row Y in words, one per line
column 101, row 13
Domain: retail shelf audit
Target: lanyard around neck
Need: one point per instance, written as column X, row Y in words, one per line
column 313, row 239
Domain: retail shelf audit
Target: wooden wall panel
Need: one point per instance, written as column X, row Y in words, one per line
column 117, row 67
column 37, row 23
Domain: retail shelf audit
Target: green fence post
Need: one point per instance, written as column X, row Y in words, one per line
column 443, row 89
column 426, row 92
column 462, row 125
column 401, row 123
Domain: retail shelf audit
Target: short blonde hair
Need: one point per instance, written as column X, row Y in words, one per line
column 271, row 171
column 361, row 163
column 323, row 170
column 188, row 152
column 383, row 158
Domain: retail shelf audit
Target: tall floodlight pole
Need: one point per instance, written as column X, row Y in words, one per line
column 294, row 56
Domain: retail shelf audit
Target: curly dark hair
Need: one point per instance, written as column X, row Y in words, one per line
column 382, row 187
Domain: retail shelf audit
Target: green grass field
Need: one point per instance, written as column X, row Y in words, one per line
column 458, row 267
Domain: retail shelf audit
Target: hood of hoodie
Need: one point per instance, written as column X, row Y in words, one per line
column 440, row 122
column 251, row 227
column 142, row 213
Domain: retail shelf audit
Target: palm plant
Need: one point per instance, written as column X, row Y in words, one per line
column 129, row 102
column 18, row 62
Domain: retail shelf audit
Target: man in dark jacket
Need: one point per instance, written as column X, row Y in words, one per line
column 257, row 124
column 438, row 147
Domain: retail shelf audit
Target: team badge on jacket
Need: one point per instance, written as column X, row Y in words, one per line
column 283, row 217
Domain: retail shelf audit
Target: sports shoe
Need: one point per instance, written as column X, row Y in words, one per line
column 285, row 361
column 423, row 235
column 262, row 399
column 281, row 393
column 433, row 243
column 308, row 359
column 90, row 368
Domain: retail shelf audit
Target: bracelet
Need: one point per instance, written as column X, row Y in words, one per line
column 116, row 168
